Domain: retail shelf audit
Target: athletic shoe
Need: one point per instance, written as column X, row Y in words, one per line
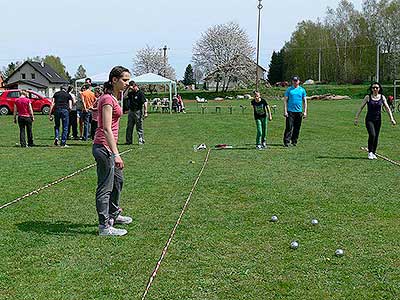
column 259, row 147
column 202, row 147
column 264, row 144
column 65, row 146
column 123, row 220
column 111, row 231
column 55, row 142
column 286, row 145
column 370, row 155
column 294, row 144
column 374, row 156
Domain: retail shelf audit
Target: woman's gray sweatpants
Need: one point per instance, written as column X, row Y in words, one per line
column 109, row 185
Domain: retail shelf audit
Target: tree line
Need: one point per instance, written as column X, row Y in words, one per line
column 343, row 47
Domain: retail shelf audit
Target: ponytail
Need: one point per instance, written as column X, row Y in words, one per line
column 108, row 87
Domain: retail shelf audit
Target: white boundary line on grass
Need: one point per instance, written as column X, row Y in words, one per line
column 171, row 236
column 52, row 184
column 383, row 157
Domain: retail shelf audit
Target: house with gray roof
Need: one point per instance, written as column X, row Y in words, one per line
column 36, row 76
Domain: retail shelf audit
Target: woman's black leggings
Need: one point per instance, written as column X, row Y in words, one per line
column 373, row 127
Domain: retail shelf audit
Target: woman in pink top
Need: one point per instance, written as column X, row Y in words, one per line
column 23, row 107
column 105, row 151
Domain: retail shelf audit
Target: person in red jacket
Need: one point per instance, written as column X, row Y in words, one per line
column 23, row 107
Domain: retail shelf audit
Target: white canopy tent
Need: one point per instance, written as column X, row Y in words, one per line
column 149, row 78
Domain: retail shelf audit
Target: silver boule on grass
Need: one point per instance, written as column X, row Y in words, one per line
column 294, row 245
column 274, row 219
column 314, row 222
column 339, row 252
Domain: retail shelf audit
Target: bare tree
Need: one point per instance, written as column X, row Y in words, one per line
column 151, row 60
column 383, row 19
column 226, row 52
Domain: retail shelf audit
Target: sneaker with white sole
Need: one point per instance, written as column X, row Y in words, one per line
column 123, row 220
column 259, row 147
column 111, row 231
column 371, row 155
column 374, row 156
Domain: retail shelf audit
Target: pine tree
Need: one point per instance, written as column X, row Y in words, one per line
column 276, row 67
column 188, row 79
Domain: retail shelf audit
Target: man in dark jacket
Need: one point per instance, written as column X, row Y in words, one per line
column 137, row 105
column 62, row 103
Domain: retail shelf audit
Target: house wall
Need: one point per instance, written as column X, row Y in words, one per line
column 52, row 89
column 32, row 88
column 28, row 70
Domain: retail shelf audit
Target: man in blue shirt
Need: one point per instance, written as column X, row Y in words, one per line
column 295, row 109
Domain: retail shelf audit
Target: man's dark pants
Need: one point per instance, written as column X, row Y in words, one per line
column 73, row 123
column 292, row 130
column 135, row 117
column 61, row 114
column 86, row 116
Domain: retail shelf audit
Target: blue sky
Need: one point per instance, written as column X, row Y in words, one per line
column 100, row 34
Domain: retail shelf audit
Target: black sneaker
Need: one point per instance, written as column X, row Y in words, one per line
column 286, row 145
column 55, row 142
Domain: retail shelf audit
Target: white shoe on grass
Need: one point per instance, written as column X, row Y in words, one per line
column 111, row 231
column 371, row 155
column 259, row 147
column 123, row 220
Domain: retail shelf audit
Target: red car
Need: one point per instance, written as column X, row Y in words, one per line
column 7, row 99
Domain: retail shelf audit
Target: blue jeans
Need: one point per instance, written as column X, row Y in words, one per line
column 63, row 115
column 86, row 116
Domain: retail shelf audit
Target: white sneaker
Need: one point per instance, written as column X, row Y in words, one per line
column 123, row 220
column 374, row 156
column 111, row 231
column 371, row 155
column 264, row 145
column 202, row 147
column 259, row 147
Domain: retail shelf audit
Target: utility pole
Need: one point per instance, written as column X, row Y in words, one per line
column 319, row 64
column 377, row 61
column 165, row 60
column 258, row 41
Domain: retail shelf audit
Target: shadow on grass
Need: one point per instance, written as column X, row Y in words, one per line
column 58, row 228
column 342, row 157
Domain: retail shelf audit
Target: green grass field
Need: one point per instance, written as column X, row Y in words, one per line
column 225, row 246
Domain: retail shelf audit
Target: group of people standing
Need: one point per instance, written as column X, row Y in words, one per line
column 295, row 110
column 106, row 112
column 70, row 111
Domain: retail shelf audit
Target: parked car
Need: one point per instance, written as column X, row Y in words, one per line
column 7, row 100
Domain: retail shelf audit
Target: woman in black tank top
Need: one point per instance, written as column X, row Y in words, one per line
column 374, row 101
